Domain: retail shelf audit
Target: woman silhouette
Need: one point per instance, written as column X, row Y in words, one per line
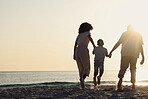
column 81, row 52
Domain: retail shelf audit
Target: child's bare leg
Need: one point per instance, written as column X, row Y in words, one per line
column 101, row 73
column 94, row 78
column 95, row 73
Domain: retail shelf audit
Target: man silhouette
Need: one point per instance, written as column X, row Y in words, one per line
column 132, row 45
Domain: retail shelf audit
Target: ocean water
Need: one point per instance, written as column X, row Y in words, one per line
column 51, row 78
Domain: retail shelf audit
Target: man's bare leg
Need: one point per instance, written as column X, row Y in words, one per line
column 133, row 85
column 120, row 83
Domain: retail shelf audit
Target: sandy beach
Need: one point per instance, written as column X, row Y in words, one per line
column 74, row 91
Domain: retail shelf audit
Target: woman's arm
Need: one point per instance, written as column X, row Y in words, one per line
column 75, row 46
column 91, row 40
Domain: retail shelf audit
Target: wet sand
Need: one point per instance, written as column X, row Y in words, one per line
column 74, row 91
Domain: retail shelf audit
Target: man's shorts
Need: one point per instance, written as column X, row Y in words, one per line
column 127, row 61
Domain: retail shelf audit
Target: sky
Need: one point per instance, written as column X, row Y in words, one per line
column 39, row 35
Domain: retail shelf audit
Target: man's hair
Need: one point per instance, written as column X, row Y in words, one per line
column 129, row 28
column 100, row 42
column 85, row 27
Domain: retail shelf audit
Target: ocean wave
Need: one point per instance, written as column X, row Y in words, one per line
column 143, row 81
column 39, row 84
column 64, row 83
column 53, row 84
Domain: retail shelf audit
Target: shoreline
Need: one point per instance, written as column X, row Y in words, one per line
column 74, row 91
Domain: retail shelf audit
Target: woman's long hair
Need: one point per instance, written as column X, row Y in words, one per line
column 85, row 27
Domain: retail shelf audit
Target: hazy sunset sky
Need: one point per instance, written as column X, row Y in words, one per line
column 39, row 35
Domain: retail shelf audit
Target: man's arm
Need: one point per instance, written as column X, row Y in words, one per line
column 75, row 46
column 91, row 40
column 115, row 47
column 142, row 54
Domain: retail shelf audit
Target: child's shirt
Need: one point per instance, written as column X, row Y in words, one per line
column 100, row 53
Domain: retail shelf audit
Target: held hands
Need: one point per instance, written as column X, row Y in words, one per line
column 110, row 55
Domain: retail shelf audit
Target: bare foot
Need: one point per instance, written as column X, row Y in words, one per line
column 120, row 88
column 99, row 80
column 94, row 80
column 82, row 83
column 133, row 86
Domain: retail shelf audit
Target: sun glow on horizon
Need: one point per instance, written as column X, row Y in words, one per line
column 39, row 35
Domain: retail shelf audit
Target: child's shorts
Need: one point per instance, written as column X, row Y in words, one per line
column 98, row 65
